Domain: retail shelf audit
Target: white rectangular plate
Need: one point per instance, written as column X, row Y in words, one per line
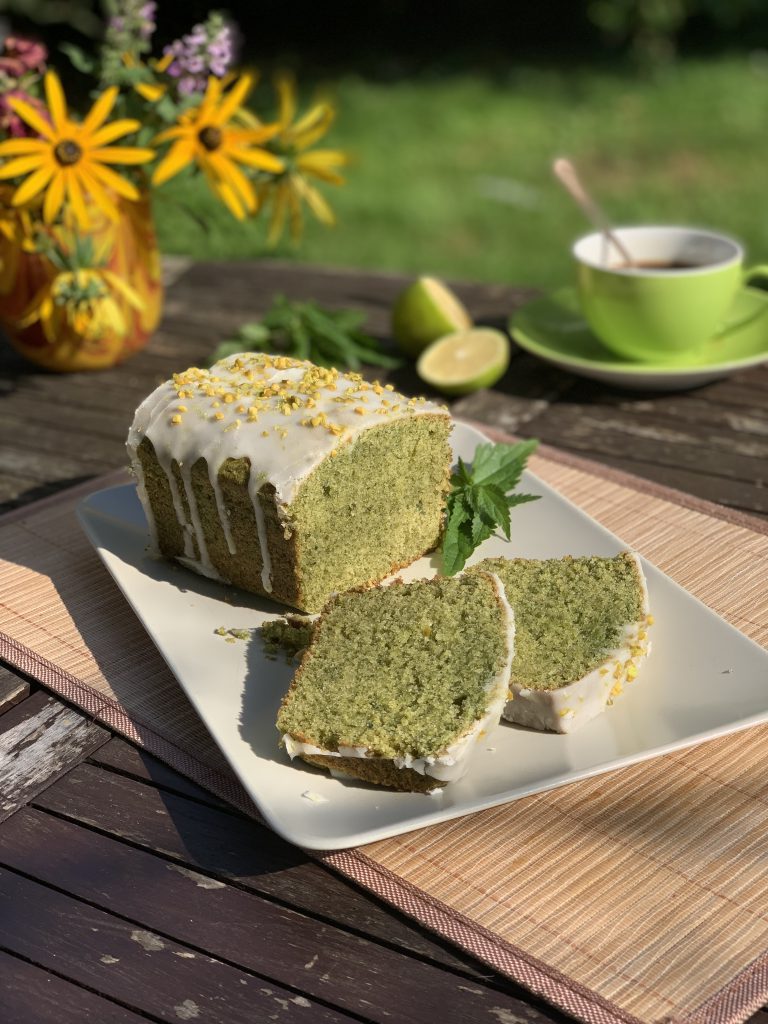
column 703, row 679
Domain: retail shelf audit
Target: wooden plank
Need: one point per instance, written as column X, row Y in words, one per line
column 229, row 846
column 13, row 689
column 121, row 756
column 136, row 967
column 40, row 739
column 30, row 995
column 292, row 949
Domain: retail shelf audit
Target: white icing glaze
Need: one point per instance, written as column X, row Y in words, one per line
column 286, row 416
column 568, row 707
column 452, row 763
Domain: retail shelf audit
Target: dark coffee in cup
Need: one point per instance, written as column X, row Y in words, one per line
column 656, row 265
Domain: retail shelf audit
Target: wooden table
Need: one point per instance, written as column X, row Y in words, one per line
column 99, row 841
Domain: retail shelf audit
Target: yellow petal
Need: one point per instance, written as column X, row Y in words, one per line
column 54, row 197
column 98, row 195
column 234, row 99
column 312, row 126
column 16, row 147
column 164, row 63
column 21, row 165
column 57, row 104
column 171, row 133
column 321, row 169
column 323, row 158
column 76, row 201
column 279, row 209
column 100, row 111
column 316, row 202
column 114, row 181
column 32, row 117
column 211, row 98
column 179, row 155
column 48, row 318
column 32, row 312
column 260, row 158
column 151, row 93
column 35, row 183
column 232, row 175
column 131, row 296
column 259, row 133
column 226, row 193
column 122, row 155
column 286, row 98
column 296, row 220
column 114, row 130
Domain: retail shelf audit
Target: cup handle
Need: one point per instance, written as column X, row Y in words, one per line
column 749, row 274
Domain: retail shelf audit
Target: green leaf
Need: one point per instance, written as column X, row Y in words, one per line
column 457, row 541
column 479, row 501
column 501, row 464
column 255, row 333
column 80, row 60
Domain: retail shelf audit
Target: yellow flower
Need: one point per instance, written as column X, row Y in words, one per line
column 292, row 141
column 151, row 91
column 207, row 136
column 84, row 302
column 70, row 157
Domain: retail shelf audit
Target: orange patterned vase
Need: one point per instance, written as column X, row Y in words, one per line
column 109, row 331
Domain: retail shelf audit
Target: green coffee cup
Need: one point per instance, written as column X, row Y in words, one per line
column 672, row 299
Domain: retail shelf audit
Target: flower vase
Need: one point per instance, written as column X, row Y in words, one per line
column 123, row 287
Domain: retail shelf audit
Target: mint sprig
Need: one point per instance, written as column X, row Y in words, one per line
column 480, row 499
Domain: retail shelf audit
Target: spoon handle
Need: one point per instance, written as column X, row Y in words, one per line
column 566, row 174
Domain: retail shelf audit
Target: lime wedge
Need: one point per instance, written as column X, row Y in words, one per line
column 465, row 361
column 424, row 312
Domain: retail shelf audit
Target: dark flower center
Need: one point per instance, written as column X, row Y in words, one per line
column 67, row 152
column 210, row 137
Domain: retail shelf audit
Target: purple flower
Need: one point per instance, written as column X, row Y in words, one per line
column 206, row 50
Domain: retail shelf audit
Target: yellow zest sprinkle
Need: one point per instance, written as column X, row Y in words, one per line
column 265, row 433
column 241, row 408
column 604, row 671
column 181, row 408
column 650, row 620
column 631, row 671
column 216, row 405
column 229, row 398
column 218, row 415
column 359, row 411
column 642, row 635
column 389, row 387
column 176, row 420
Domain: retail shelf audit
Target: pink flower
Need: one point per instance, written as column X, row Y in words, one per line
column 10, row 123
column 22, row 55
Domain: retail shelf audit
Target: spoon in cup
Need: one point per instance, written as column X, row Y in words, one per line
column 566, row 174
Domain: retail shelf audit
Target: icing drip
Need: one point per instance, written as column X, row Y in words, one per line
column 284, row 415
column 194, row 515
column 221, row 508
column 261, row 529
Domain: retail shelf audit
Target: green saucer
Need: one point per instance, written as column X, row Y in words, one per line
column 553, row 328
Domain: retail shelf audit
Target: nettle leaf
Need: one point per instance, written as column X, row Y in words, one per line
column 501, row 464
column 479, row 501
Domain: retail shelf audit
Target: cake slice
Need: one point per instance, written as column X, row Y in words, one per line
column 400, row 682
column 581, row 635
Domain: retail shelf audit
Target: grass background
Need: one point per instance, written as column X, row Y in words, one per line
column 451, row 173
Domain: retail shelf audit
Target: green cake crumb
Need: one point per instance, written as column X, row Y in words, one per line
column 232, row 635
column 289, row 635
column 569, row 613
column 401, row 670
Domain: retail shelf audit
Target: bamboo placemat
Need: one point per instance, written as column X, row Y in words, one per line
column 636, row 896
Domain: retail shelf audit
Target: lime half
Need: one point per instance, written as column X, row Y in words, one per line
column 465, row 361
column 424, row 312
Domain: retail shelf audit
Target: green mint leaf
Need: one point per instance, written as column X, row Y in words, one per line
column 452, row 540
column 501, row 464
column 480, row 500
